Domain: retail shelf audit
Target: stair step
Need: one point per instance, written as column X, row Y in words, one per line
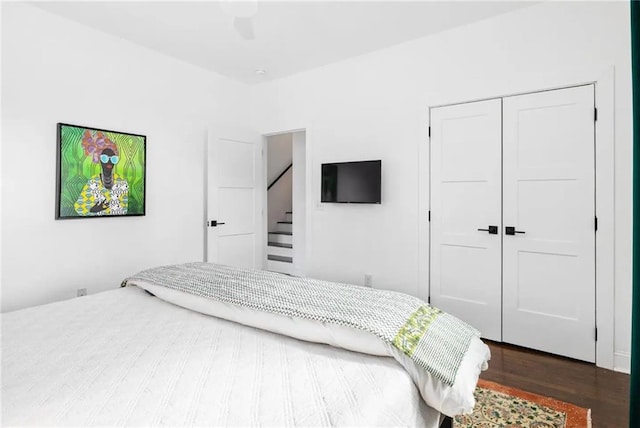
column 284, row 226
column 280, row 258
column 282, row 237
column 287, row 251
column 282, row 267
column 280, row 244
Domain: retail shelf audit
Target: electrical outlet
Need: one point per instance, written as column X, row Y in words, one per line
column 82, row 292
column 368, row 280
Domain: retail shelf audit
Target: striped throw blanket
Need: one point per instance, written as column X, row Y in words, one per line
column 434, row 340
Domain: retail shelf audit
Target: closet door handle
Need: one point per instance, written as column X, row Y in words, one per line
column 493, row 230
column 510, row 230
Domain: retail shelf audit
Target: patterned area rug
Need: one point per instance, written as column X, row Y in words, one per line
column 501, row 406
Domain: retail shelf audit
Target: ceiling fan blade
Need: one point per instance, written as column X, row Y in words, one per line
column 244, row 27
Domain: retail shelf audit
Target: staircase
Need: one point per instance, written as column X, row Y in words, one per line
column 280, row 246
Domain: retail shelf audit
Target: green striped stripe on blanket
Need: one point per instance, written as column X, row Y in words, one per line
column 433, row 339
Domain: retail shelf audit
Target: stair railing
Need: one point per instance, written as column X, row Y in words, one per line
column 280, row 176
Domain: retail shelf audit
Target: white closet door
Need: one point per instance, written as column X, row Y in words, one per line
column 549, row 263
column 465, row 273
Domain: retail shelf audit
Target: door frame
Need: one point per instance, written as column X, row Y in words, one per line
column 603, row 80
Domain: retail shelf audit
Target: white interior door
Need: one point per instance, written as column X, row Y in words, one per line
column 234, row 203
column 465, row 272
column 549, row 187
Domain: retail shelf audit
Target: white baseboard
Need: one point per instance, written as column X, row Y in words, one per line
column 622, row 362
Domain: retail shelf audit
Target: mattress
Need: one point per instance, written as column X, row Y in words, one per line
column 123, row 357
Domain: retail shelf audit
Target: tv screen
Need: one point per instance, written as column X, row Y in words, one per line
column 351, row 182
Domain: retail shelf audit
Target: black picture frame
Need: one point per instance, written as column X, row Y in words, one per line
column 87, row 187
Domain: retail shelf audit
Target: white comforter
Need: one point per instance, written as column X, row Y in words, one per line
column 125, row 358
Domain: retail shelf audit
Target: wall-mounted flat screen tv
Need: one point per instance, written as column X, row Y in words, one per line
column 351, row 182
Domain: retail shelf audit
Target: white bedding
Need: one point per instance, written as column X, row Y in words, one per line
column 450, row 400
column 125, row 358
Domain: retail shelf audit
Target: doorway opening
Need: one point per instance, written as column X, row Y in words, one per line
column 285, row 213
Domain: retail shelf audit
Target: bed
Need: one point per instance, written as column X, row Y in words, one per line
column 128, row 358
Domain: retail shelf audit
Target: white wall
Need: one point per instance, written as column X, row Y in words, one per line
column 280, row 197
column 279, row 155
column 55, row 70
column 376, row 107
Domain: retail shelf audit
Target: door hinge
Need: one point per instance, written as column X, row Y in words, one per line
column 429, row 132
column 429, row 299
column 429, row 215
column 595, row 114
column 596, row 223
column 596, row 334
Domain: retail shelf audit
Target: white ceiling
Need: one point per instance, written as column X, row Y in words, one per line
column 290, row 37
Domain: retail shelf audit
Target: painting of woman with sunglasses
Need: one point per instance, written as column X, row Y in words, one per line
column 105, row 193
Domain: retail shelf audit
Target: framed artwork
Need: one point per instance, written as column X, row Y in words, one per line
column 100, row 173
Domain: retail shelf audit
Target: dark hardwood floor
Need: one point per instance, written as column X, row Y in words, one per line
column 605, row 392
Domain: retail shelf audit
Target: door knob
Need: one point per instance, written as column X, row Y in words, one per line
column 493, row 230
column 510, row 230
column 214, row 223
